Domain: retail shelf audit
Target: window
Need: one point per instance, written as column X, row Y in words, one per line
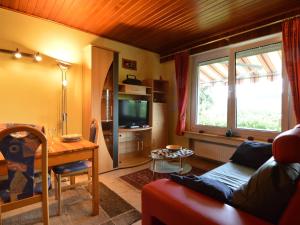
column 241, row 88
column 212, row 92
column 259, row 88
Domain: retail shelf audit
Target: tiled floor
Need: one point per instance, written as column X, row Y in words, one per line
column 122, row 188
column 130, row 193
column 111, row 180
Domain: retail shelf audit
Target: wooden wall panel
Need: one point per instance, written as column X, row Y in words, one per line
column 162, row 26
column 96, row 66
column 159, row 125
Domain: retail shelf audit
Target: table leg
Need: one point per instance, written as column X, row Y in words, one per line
column 59, row 209
column 72, row 180
column 181, row 165
column 0, row 212
column 56, row 187
column 95, row 182
column 153, row 169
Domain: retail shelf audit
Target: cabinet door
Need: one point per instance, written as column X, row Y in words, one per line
column 159, row 125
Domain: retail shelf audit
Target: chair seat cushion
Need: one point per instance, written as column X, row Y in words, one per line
column 38, row 183
column 72, row 167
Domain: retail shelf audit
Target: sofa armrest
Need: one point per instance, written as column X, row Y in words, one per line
column 174, row 204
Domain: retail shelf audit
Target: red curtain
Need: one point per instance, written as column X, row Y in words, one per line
column 181, row 68
column 291, row 47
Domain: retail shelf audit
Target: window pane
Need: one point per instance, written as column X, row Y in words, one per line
column 212, row 92
column 259, row 88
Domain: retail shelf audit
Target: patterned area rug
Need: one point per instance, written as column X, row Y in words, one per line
column 140, row 178
column 77, row 209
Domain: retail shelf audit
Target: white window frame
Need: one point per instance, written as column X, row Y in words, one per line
column 230, row 52
column 210, row 55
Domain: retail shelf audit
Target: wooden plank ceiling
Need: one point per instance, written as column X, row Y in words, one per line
column 162, row 26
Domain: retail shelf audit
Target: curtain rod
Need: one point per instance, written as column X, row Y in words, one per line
column 232, row 35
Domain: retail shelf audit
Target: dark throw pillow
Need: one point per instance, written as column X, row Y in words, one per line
column 268, row 191
column 207, row 186
column 252, row 154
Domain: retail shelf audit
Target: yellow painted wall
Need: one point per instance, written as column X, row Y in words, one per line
column 30, row 92
column 168, row 70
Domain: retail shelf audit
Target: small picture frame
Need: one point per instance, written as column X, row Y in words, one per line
column 128, row 64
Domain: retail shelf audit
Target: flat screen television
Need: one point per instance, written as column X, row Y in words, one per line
column 133, row 113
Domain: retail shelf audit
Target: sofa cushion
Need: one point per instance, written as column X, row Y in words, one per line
column 252, row 154
column 231, row 174
column 269, row 190
column 207, row 186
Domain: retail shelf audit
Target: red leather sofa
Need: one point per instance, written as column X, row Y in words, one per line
column 166, row 202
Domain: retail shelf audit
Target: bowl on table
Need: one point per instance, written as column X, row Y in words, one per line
column 173, row 147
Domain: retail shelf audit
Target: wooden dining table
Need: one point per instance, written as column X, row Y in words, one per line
column 61, row 153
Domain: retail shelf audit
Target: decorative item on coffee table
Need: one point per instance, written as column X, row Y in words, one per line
column 170, row 160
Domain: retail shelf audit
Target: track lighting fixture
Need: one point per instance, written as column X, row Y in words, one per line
column 38, row 57
column 17, row 54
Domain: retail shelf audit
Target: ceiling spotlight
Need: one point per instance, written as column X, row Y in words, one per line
column 17, row 54
column 38, row 57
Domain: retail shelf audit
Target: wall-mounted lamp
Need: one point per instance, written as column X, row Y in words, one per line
column 18, row 55
column 64, row 66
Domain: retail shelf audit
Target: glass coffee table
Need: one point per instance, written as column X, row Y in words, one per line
column 170, row 161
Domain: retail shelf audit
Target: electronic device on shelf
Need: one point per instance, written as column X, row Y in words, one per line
column 131, row 79
column 133, row 113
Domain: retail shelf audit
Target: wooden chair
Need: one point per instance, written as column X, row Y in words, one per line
column 37, row 174
column 18, row 145
column 74, row 169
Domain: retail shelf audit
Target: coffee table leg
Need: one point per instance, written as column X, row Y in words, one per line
column 181, row 165
column 153, row 169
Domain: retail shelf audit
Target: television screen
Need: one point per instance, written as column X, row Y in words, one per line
column 133, row 113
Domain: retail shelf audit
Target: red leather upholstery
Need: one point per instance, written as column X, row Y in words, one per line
column 286, row 149
column 286, row 146
column 174, row 204
column 166, row 202
column 291, row 215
